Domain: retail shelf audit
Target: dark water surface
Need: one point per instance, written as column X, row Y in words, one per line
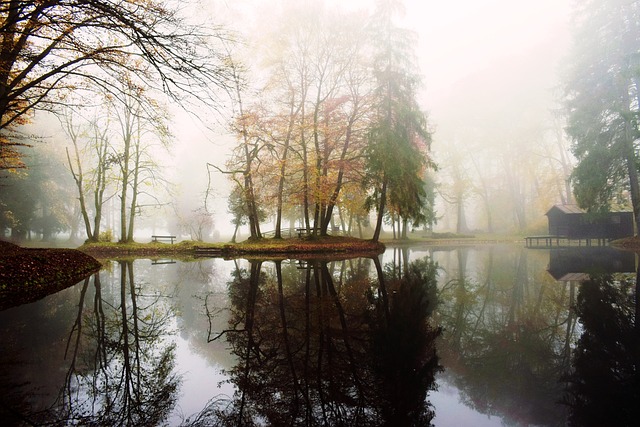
column 479, row 336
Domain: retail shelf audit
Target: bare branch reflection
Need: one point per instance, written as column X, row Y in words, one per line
column 120, row 364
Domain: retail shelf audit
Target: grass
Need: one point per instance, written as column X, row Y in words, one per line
column 627, row 243
column 449, row 238
column 328, row 244
column 103, row 249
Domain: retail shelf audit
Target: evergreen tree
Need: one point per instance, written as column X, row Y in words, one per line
column 398, row 138
column 601, row 99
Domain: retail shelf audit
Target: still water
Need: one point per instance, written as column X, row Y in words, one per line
column 453, row 336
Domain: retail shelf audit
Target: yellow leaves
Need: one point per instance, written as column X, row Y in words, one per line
column 10, row 156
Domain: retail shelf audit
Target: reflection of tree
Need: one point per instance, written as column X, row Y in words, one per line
column 317, row 347
column 403, row 346
column 120, row 372
column 604, row 388
column 507, row 336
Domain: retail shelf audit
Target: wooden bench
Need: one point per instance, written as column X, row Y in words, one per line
column 158, row 238
column 304, row 232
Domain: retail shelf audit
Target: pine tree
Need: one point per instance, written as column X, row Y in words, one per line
column 398, row 137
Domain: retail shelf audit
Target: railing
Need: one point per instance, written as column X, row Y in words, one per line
column 289, row 233
column 549, row 241
column 157, row 238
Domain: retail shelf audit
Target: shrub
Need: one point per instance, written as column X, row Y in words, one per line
column 106, row 236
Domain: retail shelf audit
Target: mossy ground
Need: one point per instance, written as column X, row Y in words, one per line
column 327, row 244
column 105, row 250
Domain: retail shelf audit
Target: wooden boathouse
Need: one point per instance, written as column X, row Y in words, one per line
column 571, row 226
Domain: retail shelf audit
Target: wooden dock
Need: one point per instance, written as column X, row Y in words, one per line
column 207, row 251
column 550, row 241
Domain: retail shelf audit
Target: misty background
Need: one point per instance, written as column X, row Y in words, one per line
column 490, row 89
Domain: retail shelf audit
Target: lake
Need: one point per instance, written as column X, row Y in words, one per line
column 485, row 335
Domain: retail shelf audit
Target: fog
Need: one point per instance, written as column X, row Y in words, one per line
column 490, row 84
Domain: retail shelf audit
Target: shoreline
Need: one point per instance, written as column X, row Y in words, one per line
column 28, row 274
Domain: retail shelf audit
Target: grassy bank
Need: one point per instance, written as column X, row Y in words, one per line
column 628, row 243
column 329, row 244
column 104, row 250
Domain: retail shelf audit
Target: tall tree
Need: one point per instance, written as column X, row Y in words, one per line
column 249, row 148
column 305, row 141
column 139, row 130
column 94, row 180
column 602, row 86
column 399, row 139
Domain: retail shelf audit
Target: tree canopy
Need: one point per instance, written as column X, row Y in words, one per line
column 398, row 138
column 337, row 121
column 49, row 49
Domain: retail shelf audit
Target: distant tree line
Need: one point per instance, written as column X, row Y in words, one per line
column 326, row 116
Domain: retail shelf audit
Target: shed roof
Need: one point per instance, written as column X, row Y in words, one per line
column 568, row 209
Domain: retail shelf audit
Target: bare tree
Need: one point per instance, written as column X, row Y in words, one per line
column 139, row 130
column 93, row 181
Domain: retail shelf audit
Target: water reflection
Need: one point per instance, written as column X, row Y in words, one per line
column 508, row 333
column 604, row 386
column 333, row 342
column 321, row 343
column 511, row 330
column 577, row 263
column 118, row 365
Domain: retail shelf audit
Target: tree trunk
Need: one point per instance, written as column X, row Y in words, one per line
column 134, row 192
column 381, row 208
column 124, row 181
column 78, row 178
column 235, row 233
column 634, row 188
column 317, row 212
column 336, row 191
column 405, row 223
column 283, row 166
column 461, row 226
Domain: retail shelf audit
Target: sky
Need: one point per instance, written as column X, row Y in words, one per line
column 456, row 37
column 461, row 37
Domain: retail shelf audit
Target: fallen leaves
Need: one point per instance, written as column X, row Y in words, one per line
column 30, row 274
